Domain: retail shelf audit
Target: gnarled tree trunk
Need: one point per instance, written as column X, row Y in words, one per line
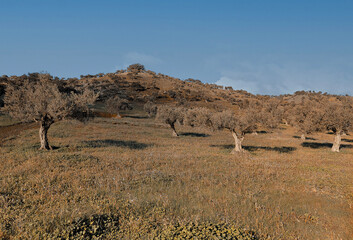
column 45, row 124
column 337, row 142
column 117, row 115
column 302, row 137
column 174, row 134
column 237, row 142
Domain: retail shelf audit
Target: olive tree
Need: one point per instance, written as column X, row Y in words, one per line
column 116, row 104
column 247, row 120
column 150, row 108
column 198, row 117
column 338, row 117
column 307, row 117
column 270, row 113
column 171, row 115
column 40, row 100
column 239, row 124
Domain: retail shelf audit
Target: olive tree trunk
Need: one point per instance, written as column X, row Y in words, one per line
column 336, row 143
column 45, row 124
column 118, row 115
column 237, row 142
column 174, row 134
column 303, row 137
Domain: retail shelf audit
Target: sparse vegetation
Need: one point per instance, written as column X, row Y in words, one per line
column 155, row 183
column 135, row 181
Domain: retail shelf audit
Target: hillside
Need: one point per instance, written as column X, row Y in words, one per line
column 128, row 178
column 143, row 86
column 147, row 85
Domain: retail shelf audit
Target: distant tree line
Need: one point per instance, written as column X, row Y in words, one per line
column 309, row 116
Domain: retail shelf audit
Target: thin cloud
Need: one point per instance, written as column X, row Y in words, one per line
column 287, row 78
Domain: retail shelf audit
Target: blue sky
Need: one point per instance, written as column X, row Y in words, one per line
column 266, row 47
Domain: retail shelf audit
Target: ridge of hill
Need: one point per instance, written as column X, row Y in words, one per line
column 142, row 86
column 146, row 86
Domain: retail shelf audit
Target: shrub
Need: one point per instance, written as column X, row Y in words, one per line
column 206, row 231
column 116, row 104
column 135, row 68
column 150, row 108
column 94, row 227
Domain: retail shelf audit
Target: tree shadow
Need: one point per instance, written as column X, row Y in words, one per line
column 116, row 143
column 347, row 140
column 192, row 134
column 306, row 138
column 255, row 148
column 316, row 145
column 225, row 146
column 275, row 149
column 135, row 117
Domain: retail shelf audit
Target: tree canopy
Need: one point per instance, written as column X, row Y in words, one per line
column 39, row 99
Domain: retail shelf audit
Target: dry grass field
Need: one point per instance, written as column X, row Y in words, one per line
column 129, row 178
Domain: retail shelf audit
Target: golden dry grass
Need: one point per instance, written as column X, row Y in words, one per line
column 133, row 168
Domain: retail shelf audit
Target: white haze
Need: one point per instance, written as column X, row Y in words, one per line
column 274, row 79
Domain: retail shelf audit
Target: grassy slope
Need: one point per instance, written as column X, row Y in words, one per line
column 133, row 166
column 6, row 120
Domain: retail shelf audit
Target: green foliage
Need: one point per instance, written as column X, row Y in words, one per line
column 145, row 222
column 94, row 227
column 205, row 231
